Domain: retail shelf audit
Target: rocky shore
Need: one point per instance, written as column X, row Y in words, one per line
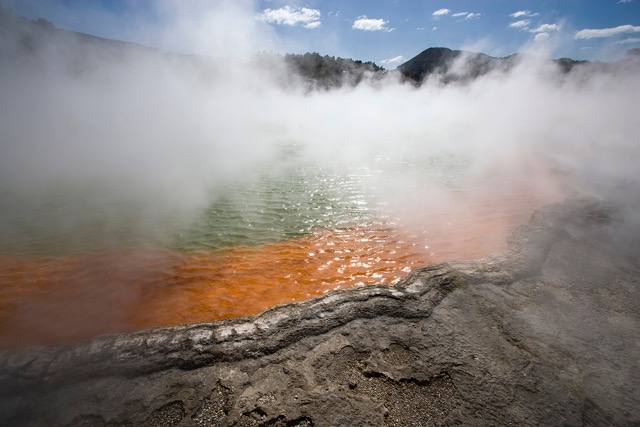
column 546, row 333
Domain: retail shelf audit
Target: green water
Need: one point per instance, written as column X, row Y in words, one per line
column 282, row 201
column 282, row 207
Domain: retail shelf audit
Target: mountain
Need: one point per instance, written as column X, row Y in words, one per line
column 327, row 72
column 38, row 44
column 20, row 37
column 444, row 61
column 458, row 65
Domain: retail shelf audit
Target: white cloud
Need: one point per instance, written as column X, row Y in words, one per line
column 441, row 12
column 523, row 13
column 395, row 60
column 308, row 18
column 606, row 32
column 368, row 24
column 545, row 28
column 521, row 25
column 312, row 25
column 541, row 32
column 434, row 29
column 466, row 15
column 629, row 40
column 624, row 1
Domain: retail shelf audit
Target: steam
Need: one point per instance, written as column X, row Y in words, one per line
column 159, row 136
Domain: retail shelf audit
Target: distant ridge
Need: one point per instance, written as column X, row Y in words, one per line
column 31, row 35
column 442, row 60
column 459, row 65
column 21, row 38
column 31, row 42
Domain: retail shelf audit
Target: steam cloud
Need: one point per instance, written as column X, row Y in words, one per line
column 160, row 134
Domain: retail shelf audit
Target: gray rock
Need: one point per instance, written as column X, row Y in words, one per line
column 546, row 333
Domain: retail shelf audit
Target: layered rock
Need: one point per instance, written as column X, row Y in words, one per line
column 546, row 333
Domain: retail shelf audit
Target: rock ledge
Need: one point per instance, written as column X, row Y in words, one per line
column 547, row 332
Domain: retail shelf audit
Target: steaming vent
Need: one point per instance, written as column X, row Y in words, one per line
column 141, row 188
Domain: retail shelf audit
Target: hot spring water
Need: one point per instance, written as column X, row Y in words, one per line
column 290, row 231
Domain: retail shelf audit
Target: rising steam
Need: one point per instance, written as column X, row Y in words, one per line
column 110, row 149
column 137, row 139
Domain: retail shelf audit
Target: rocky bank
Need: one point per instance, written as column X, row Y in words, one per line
column 546, row 333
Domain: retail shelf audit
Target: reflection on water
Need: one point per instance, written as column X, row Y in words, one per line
column 286, row 205
column 288, row 235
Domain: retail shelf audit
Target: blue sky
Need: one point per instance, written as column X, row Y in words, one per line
column 384, row 31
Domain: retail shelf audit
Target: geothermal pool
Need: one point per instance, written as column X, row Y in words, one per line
column 290, row 231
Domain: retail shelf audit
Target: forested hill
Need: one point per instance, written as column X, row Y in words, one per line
column 457, row 65
column 31, row 41
column 447, row 65
column 22, row 41
column 330, row 72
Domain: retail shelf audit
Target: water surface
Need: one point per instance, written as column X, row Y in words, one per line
column 289, row 231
